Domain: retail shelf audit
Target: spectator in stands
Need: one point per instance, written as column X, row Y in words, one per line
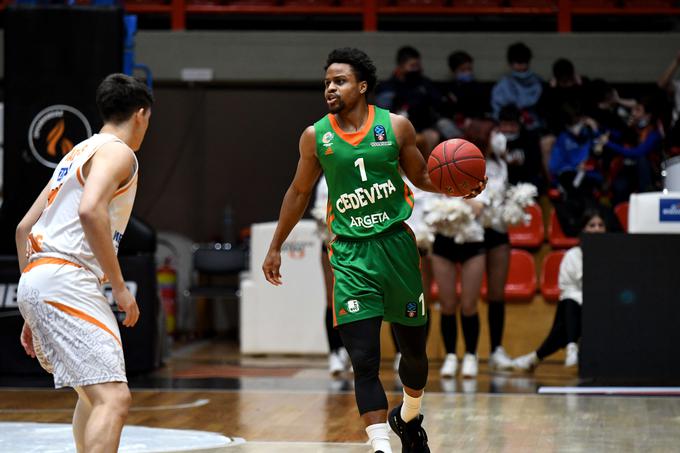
column 409, row 93
column 467, row 97
column 565, row 86
column 523, row 153
column 571, row 165
column 574, row 169
column 566, row 328
column 638, row 170
column 609, row 111
column 672, row 87
column 521, row 87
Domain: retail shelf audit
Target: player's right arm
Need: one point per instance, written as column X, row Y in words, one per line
column 294, row 203
column 21, row 238
column 26, row 224
column 110, row 168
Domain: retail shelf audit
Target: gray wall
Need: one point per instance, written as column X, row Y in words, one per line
column 276, row 57
column 207, row 148
column 280, row 57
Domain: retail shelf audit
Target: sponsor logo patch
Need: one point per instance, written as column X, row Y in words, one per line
column 353, row 306
column 669, row 210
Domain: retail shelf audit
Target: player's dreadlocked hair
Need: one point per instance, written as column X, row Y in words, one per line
column 361, row 64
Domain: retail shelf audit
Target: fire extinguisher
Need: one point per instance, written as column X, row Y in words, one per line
column 167, row 287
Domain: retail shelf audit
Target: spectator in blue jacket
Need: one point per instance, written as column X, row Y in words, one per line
column 521, row 87
column 571, row 166
column 640, row 168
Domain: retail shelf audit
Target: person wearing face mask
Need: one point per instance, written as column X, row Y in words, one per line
column 571, row 167
column 566, row 328
column 523, row 156
column 521, row 87
column 639, row 166
column 410, row 94
column 467, row 98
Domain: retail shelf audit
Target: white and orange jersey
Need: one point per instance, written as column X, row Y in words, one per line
column 58, row 230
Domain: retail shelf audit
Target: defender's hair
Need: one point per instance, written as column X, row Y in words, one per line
column 119, row 96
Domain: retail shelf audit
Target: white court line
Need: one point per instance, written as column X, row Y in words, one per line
column 197, row 403
column 302, row 443
column 610, row 390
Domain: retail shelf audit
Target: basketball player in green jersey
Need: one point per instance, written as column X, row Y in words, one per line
column 374, row 257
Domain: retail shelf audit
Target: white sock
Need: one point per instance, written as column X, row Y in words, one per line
column 411, row 407
column 378, row 437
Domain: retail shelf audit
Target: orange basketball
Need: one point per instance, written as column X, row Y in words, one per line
column 456, row 167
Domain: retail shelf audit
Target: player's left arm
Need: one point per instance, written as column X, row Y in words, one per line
column 111, row 167
column 410, row 158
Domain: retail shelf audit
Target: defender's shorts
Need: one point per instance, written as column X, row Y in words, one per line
column 378, row 276
column 75, row 334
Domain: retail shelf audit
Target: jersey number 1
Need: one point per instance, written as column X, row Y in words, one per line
column 360, row 163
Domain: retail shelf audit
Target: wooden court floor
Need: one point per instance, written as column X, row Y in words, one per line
column 289, row 404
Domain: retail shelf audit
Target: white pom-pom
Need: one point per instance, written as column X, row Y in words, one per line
column 453, row 218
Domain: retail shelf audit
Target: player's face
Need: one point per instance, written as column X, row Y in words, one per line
column 341, row 87
column 595, row 225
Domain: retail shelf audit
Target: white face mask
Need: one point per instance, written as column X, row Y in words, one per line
column 576, row 129
column 499, row 143
column 510, row 136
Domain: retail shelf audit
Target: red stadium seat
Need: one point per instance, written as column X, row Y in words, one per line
column 621, row 211
column 521, row 283
column 649, row 3
column 556, row 236
column 532, row 3
column 531, row 235
column 480, row 3
column 549, row 275
column 423, row 3
column 434, row 290
column 594, row 3
column 311, row 3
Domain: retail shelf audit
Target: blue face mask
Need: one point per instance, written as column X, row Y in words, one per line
column 522, row 75
column 465, row 77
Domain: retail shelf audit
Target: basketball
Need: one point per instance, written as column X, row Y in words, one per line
column 456, row 167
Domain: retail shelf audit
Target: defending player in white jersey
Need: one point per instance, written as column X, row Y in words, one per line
column 67, row 245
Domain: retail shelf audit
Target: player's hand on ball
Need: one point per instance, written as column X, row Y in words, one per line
column 479, row 189
column 27, row 340
column 127, row 303
column 272, row 266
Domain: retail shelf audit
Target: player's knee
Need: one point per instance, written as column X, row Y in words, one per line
column 119, row 401
column 366, row 363
column 413, row 369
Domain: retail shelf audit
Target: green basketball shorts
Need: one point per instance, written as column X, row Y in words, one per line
column 378, row 276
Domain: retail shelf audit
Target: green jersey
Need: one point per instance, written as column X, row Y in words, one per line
column 366, row 194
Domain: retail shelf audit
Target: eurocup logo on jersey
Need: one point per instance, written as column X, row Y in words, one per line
column 411, row 310
column 54, row 131
column 380, row 136
column 379, row 133
column 669, row 210
column 353, row 306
